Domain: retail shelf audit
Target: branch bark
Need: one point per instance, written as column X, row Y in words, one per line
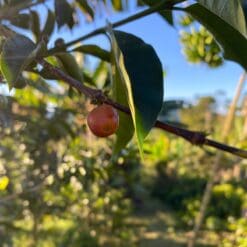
column 164, row 5
column 194, row 137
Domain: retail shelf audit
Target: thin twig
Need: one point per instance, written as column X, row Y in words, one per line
column 194, row 137
column 164, row 5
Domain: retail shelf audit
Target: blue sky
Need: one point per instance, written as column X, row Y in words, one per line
column 183, row 80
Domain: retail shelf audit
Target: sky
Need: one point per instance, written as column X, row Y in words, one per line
column 183, row 80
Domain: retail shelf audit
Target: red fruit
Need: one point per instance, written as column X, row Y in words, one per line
column 103, row 120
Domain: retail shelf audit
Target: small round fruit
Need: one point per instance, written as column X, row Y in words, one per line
column 103, row 120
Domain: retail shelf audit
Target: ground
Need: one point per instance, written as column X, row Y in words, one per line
column 154, row 226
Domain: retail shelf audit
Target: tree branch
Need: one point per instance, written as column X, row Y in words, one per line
column 194, row 137
column 164, row 5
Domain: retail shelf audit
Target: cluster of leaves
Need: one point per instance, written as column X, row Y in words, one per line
column 239, row 227
column 69, row 186
column 182, row 173
column 51, row 165
column 199, row 46
column 129, row 54
column 63, row 13
column 53, row 169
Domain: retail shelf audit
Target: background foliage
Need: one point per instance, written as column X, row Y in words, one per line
column 61, row 186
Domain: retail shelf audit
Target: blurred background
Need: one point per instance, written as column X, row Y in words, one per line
column 60, row 186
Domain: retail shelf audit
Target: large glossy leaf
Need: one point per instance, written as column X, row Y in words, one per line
column 69, row 64
column 141, row 76
column 232, row 41
column 125, row 131
column 229, row 11
column 94, row 50
column 15, row 57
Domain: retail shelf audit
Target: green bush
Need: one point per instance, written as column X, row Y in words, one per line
column 227, row 200
column 175, row 190
column 182, row 193
column 239, row 232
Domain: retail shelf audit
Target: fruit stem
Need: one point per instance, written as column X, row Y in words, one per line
column 194, row 137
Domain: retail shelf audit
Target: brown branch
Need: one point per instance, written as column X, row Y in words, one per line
column 164, row 5
column 194, row 137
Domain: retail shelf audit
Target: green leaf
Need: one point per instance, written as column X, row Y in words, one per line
column 125, row 131
column 85, row 7
column 100, row 75
column 22, row 21
column 41, row 49
column 232, row 41
column 15, row 57
column 69, row 64
column 95, row 51
column 4, row 181
column 141, row 76
column 41, row 85
column 35, row 24
column 88, row 79
column 49, row 25
column 117, row 5
column 46, row 74
column 167, row 15
column 229, row 11
column 244, row 5
column 64, row 13
column 2, row 41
